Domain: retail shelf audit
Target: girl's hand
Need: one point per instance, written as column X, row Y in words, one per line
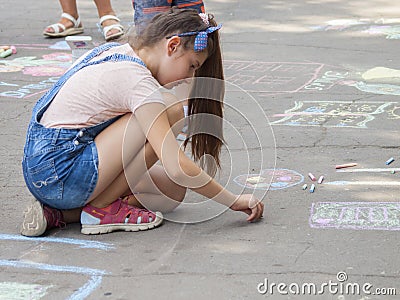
column 250, row 205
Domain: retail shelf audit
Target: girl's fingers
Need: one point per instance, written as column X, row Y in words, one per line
column 256, row 212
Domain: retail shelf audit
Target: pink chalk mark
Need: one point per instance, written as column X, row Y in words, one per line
column 30, row 95
column 314, row 113
column 323, row 221
column 314, row 74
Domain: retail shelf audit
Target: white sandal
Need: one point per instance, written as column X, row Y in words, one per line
column 76, row 29
column 106, row 29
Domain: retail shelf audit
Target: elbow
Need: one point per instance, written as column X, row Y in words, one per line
column 184, row 172
column 177, row 173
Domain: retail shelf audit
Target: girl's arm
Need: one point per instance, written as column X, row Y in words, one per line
column 154, row 122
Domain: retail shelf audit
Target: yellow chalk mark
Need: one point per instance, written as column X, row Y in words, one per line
column 380, row 72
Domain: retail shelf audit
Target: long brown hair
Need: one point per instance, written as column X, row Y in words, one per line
column 205, row 126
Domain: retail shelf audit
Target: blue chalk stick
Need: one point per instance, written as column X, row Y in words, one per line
column 389, row 161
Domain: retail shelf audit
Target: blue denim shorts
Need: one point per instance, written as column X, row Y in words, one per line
column 60, row 166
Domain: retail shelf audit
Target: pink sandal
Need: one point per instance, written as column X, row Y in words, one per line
column 118, row 216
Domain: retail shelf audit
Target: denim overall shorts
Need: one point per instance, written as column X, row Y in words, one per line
column 60, row 165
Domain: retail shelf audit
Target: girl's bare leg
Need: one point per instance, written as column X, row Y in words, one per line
column 156, row 192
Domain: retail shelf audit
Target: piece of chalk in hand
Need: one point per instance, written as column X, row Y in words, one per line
column 312, row 177
column 389, row 161
column 312, row 188
column 320, row 179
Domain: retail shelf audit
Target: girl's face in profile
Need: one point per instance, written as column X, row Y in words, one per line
column 179, row 64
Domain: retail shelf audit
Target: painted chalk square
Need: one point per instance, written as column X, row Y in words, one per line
column 271, row 77
column 356, row 215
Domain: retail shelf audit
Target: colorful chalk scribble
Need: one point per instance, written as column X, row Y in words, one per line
column 49, row 63
column 378, row 80
column 356, row 215
column 343, row 114
column 270, row 179
column 386, row 27
column 56, row 61
column 375, row 88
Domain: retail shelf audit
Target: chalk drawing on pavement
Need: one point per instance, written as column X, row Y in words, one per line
column 375, row 88
column 394, row 113
column 81, row 293
column 78, row 242
column 270, row 78
column 48, row 63
column 93, row 283
column 385, row 27
column 270, row 179
column 53, row 64
column 380, row 73
column 356, row 215
column 343, row 114
column 20, row 291
column 378, row 80
column 327, row 80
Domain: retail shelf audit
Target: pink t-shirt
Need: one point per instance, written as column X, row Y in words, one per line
column 100, row 92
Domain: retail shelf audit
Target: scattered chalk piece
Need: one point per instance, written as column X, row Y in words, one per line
column 6, row 53
column 312, row 188
column 312, row 177
column 345, row 166
column 320, row 179
column 393, row 172
column 389, row 161
column 304, row 186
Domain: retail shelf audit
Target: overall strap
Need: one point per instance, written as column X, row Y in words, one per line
column 46, row 99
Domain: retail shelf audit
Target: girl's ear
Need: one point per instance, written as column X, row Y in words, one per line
column 173, row 44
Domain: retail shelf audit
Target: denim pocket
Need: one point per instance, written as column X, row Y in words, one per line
column 44, row 182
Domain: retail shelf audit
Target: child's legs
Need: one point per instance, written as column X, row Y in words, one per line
column 124, row 135
column 69, row 7
column 156, row 191
column 104, row 7
column 123, row 152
